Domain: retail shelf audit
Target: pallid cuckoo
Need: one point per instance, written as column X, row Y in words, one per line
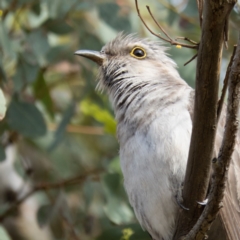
column 153, row 107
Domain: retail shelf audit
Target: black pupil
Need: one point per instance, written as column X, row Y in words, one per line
column 138, row 52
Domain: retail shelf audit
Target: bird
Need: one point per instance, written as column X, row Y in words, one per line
column 153, row 107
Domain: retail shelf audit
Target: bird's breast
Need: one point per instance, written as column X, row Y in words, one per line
column 153, row 159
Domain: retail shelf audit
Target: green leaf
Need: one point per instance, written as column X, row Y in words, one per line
column 26, row 119
column 47, row 212
column 2, row 154
column 101, row 115
column 44, row 215
column 3, row 234
column 58, row 8
column 42, row 93
column 58, row 26
column 2, row 105
column 88, row 192
column 58, row 136
column 2, row 73
column 36, row 8
column 55, row 52
column 116, row 209
column 111, row 234
column 39, row 44
column 126, row 232
column 109, row 12
column 114, row 166
column 5, row 41
column 25, row 73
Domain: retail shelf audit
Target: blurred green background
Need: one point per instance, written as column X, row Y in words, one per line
column 59, row 134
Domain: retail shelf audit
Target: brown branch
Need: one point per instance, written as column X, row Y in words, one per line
column 47, row 186
column 187, row 39
column 70, row 226
column 191, row 59
column 225, row 84
column 205, row 113
column 221, row 164
column 200, row 11
column 168, row 39
column 181, row 15
column 226, row 26
column 91, row 130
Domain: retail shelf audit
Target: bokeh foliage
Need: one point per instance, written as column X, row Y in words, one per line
column 60, row 124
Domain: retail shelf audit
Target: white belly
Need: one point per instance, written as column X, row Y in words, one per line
column 153, row 162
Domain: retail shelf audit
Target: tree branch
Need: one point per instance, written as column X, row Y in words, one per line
column 225, row 85
column 168, row 38
column 221, row 164
column 200, row 11
column 47, row 186
column 197, row 176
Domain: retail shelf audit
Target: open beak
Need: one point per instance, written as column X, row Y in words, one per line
column 95, row 56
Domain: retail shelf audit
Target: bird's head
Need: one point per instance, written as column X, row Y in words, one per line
column 129, row 58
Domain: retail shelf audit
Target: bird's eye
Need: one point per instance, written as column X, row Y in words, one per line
column 138, row 53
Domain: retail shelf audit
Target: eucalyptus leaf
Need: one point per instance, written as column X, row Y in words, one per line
column 2, row 73
column 3, row 234
column 47, row 212
column 42, row 93
column 58, row 136
column 125, row 232
column 5, row 41
column 26, row 119
column 25, row 73
column 109, row 12
column 117, row 210
column 44, row 215
column 58, row 26
column 36, row 8
column 39, row 44
column 101, row 115
column 2, row 154
column 2, row 105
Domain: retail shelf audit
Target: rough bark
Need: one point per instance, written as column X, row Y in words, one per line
column 215, row 15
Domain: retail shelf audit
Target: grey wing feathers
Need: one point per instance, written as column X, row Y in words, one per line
column 227, row 224
column 230, row 213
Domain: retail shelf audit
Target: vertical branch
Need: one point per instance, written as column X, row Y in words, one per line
column 205, row 113
column 200, row 10
column 225, row 84
column 221, row 164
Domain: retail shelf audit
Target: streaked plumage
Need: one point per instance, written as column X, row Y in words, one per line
column 153, row 107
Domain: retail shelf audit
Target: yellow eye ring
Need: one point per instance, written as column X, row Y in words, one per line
column 138, row 52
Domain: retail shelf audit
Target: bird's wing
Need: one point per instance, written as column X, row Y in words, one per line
column 227, row 224
column 230, row 213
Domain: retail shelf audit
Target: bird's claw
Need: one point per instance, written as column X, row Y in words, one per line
column 204, row 202
column 181, row 205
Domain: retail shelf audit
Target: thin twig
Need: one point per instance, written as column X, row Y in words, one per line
column 159, row 26
column 187, row 39
column 221, row 164
column 79, row 129
column 225, row 84
column 200, row 11
column 181, row 15
column 70, row 226
column 171, row 41
column 47, row 186
column 225, row 32
column 168, row 39
column 191, row 59
column 201, row 150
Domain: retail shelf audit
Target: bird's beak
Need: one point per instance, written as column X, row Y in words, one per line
column 95, row 56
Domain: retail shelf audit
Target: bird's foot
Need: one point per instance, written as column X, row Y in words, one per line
column 180, row 204
column 204, row 202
